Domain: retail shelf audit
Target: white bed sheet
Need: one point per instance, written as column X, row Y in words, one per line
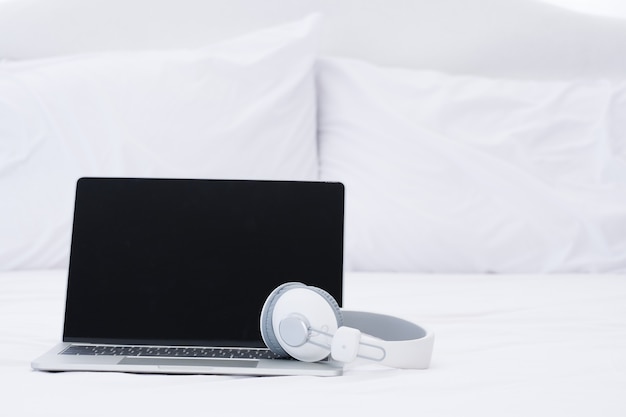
column 514, row 345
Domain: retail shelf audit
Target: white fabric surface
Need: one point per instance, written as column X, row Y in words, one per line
column 449, row 173
column 506, row 345
column 243, row 108
column 520, row 38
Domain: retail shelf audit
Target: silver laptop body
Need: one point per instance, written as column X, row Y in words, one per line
column 170, row 275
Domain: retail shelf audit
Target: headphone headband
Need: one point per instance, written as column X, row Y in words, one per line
column 406, row 344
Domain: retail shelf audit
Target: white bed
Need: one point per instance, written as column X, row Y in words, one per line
column 514, row 345
column 483, row 148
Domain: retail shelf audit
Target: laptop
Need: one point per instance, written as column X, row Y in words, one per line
column 170, row 275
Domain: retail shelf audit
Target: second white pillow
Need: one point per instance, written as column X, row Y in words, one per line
column 459, row 174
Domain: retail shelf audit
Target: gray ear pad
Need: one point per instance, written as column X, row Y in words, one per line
column 267, row 329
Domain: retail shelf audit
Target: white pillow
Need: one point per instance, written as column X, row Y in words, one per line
column 244, row 108
column 459, row 174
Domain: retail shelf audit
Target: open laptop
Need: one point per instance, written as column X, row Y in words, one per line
column 170, row 275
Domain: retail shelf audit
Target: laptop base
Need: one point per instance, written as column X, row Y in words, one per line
column 54, row 361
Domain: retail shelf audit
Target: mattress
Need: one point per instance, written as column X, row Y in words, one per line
column 540, row 345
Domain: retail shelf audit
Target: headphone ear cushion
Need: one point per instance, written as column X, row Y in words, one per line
column 325, row 302
column 267, row 328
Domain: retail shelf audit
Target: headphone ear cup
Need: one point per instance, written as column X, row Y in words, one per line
column 314, row 307
column 267, row 329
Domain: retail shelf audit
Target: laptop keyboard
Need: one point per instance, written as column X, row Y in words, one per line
column 174, row 352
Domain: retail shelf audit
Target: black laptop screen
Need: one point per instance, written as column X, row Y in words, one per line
column 190, row 262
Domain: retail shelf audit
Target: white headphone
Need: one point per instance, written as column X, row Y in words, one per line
column 307, row 324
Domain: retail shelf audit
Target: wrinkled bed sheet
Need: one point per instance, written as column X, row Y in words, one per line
column 506, row 345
